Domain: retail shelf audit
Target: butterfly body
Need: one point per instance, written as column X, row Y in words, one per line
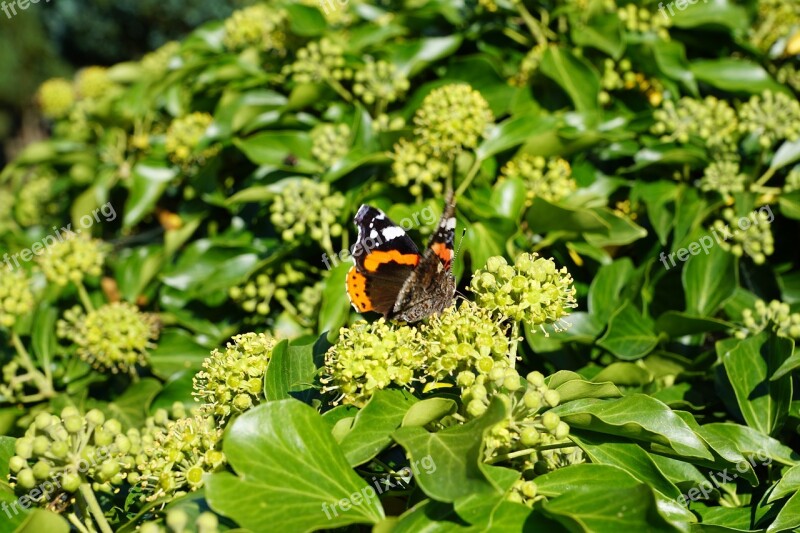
column 392, row 277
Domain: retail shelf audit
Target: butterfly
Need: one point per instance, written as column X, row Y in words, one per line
column 392, row 277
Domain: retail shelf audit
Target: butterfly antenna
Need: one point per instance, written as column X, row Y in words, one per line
column 460, row 242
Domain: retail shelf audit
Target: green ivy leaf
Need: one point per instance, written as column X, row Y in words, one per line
column 764, row 403
column 456, row 453
column 374, row 424
column 578, row 79
column 286, row 459
column 630, row 335
column 635, row 416
column 708, row 280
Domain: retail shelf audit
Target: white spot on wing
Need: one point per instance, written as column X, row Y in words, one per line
column 450, row 224
column 381, row 216
column 392, row 232
column 373, row 234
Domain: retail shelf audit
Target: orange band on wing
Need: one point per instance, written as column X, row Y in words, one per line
column 357, row 290
column 443, row 252
column 375, row 259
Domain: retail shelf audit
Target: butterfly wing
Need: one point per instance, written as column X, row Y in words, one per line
column 384, row 257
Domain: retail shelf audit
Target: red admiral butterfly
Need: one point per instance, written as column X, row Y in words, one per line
column 391, row 277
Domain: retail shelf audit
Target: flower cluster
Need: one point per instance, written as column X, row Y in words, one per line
column 306, row 206
column 330, row 142
column 788, row 74
column 256, row 26
column 7, row 202
column 321, row 61
column 72, row 259
column 529, row 426
column 471, row 339
column 642, row 20
column 620, row 76
column 16, row 296
column 231, row 381
column 532, row 290
column 414, row 166
column 35, row 199
column 775, row 316
column 549, row 179
column 56, row 98
column 777, row 19
column 92, row 83
column 452, row 118
column 771, row 117
column 370, row 357
column 257, row 294
column 158, row 61
column 724, row 177
column 464, row 338
column 74, row 450
column 184, row 137
column 379, row 81
column 712, row 120
column 177, row 453
column 114, row 338
column 384, row 122
column 755, row 240
column 792, row 180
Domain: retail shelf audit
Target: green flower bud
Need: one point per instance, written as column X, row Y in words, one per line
column 73, row 424
column 550, row 421
column 177, row 519
column 40, row 445
column 476, row 408
column 552, row 397
column 17, row 463
column 41, row 470
column 529, row 436
column 25, row 479
column 207, row 522
column 24, row 447
column 70, row 481
column 95, row 417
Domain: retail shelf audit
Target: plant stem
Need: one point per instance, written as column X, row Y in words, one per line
column 94, row 508
column 84, row 295
column 765, row 177
column 339, row 88
column 77, row 523
column 512, row 352
column 470, row 176
column 44, row 384
column 532, row 23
